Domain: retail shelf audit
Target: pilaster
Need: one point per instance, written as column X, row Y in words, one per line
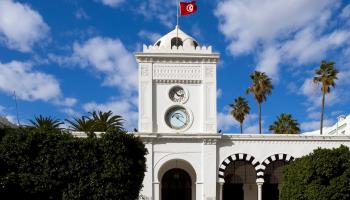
column 145, row 98
column 209, row 168
column 209, row 98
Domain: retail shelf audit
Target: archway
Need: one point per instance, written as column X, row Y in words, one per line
column 176, row 184
column 240, row 181
column 176, row 166
column 272, row 174
column 273, row 179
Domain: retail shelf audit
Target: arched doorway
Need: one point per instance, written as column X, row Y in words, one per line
column 176, row 184
column 240, row 181
column 273, row 179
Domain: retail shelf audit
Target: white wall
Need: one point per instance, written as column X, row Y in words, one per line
column 205, row 153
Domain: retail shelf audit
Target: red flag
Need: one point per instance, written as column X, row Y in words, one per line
column 187, row 8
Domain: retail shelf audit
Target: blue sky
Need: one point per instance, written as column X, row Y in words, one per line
column 66, row 58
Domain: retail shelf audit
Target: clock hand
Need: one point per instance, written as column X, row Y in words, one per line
column 178, row 118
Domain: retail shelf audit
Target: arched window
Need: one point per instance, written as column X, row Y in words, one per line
column 176, row 42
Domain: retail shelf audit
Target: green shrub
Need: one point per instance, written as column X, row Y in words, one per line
column 322, row 175
column 54, row 165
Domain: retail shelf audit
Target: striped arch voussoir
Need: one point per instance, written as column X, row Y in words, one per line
column 276, row 157
column 237, row 157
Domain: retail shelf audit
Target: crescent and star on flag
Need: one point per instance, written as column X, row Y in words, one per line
column 186, row 8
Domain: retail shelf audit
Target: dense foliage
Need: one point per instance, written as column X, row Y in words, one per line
column 36, row 164
column 239, row 109
column 285, row 124
column 322, row 175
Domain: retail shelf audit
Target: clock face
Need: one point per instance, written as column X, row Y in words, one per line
column 178, row 94
column 177, row 117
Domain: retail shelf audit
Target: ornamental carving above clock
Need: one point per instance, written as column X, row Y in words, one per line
column 178, row 94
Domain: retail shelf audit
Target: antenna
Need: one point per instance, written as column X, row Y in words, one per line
column 15, row 96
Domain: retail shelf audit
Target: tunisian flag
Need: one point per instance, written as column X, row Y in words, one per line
column 187, row 8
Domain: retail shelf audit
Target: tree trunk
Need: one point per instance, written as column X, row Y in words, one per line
column 322, row 111
column 241, row 127
column 260, row 118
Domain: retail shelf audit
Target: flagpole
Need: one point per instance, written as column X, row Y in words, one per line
column 177, row 13
column 177, row 22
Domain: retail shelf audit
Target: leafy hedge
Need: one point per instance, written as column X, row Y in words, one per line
column 322, row 175
column 54, row 165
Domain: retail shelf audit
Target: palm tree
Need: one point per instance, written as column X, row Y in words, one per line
column 325, row 75
column 45, row 123
column 239, row 109
column 261, row 88
column 84, row 124
column 106, row 121
column 285, row 124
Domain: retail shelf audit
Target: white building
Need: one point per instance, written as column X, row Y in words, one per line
column 188, row 159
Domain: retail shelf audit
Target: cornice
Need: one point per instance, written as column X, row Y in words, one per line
column 177, row 57
column 243, row 137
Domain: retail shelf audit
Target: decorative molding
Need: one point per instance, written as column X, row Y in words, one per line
column 177, row 72
column 276, row 157
column 178, row 81
column 180, row 49
column 147, row 140
column 144, row 71
column 210, row 141
column 237, row 157
column 190, row 59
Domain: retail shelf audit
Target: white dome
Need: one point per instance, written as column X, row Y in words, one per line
column 169, row 40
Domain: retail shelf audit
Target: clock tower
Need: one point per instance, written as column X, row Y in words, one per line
column 177, row 86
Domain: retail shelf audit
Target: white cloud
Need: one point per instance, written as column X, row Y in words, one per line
column 29, row 84
column 271, row 29
column 268, row 63
column 307, row 47
column 67, row 102
column 81, row 14
column 11, row 119
column 343, row 77
column 109, row 57
column 151, row 36
column 313, row 94
column 20, row 26
column 246, row 23
column 226, row 122
column 253, row 129
column 315, row 125
column 123, row 107
column 71, row 112
column 160, row 10
column 112, row 3
column 314, row 115
column 218, row 93
column 345, row 12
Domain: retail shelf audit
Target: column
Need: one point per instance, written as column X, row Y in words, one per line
column 260, row 184
column 209, row 169
column 146, row 124
column 156, row 187
column 221, row 190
